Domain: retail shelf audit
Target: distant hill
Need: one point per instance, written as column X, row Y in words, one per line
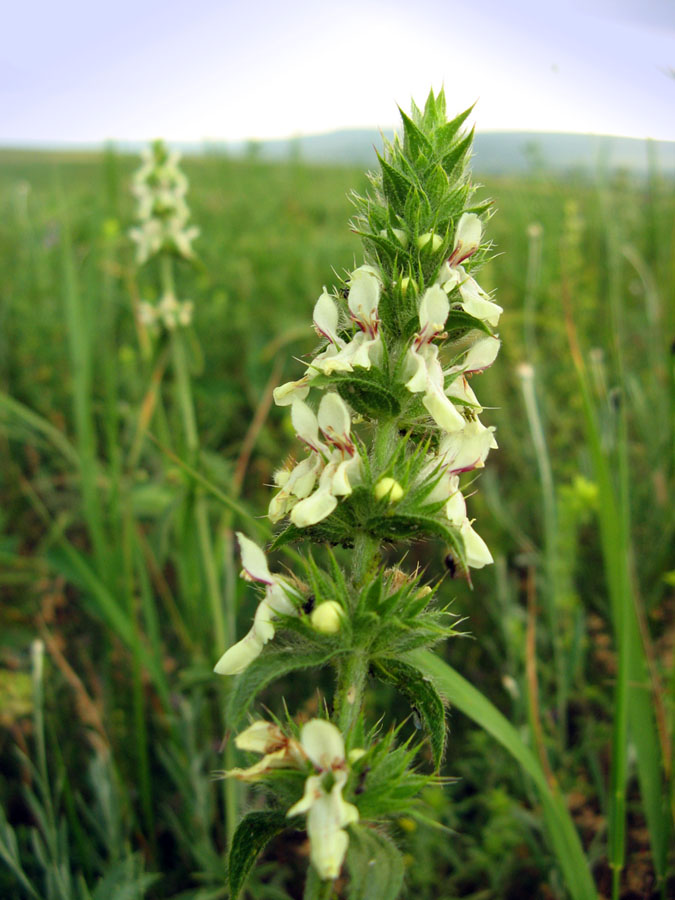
column 496, row 152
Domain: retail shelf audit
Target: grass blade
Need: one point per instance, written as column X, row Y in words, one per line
column 562, row 833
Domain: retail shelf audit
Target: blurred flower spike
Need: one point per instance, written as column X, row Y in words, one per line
column 160, row 188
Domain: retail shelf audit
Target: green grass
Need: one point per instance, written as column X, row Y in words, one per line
column 126, row 464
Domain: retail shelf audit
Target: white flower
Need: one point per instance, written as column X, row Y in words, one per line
column 327, row 813
column 467, row 449
column 461, row 391
column 333, row 455
column 452, row 274
column 173, row 312
column 479, row 356
column 467, row 238
column 278, row 600
column 475, row 548
column 268, row 739
column 476, row 302
column 364, row 298
column 364, row 349
column 422, row 366
column 297, row 484
column 160, row 187
column 147, row 313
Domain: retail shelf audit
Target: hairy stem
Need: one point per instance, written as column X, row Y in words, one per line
column 349, row 694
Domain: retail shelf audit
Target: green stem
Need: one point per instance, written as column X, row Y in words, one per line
column 385, row 443
column 550, row 515
column 366, row 549
column 184, row 391
column 349, row 694
column 221, row 631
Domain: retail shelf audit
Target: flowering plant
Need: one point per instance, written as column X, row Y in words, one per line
column 389, row 422
column 160, row 188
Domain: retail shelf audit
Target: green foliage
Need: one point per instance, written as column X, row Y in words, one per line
column 253, row 834
column 375, row 865
column 384, row 783
column 269, row 667
column 423, row 187
column 284, row 230
column 423, row 696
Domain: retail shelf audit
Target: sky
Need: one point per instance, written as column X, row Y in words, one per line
column 81, row 72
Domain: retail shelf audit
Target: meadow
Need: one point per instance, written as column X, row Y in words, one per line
column 118, row 566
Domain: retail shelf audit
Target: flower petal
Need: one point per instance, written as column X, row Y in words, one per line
column 313, row 509
column 477, row 552
column 467, row 238
column 306, row 424
column 313, row 791
column 323, row 744
column 433, row 312
column 455, row 509
column 260, row 737
column 477, row 303
column 364, row 296
column 327, row 841
column 467, row 449
column 461, row 390
column 240, row 655
column 253, row 560
column 335, row 420
column 443, row 411
column 326, row 317
column 287, row 393
column 480, row 356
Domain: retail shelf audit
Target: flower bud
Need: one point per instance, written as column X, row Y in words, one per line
column 398, row 233
column 427, row 238
column 389, row 488
column 327, row 617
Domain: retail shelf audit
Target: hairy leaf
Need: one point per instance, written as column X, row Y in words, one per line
column 269, row 666
column 253, row 833
column 460, row 322
column 423, row 697
column 375, row 865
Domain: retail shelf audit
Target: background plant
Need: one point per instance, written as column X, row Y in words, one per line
column 294, row 233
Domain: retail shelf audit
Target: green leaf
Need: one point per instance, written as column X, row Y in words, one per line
column 253, row 834
column 445, row 134
column 269, row 666
column 368, row 398
column 559, row 825
column 396, row 186
column 125, row 880
column 453, row 157
column 12, row 410
column 459, row 321
column 375, row 865
column 414, row 527
column 415, row 140
column 435, row 184
column 423, row 696
column 338, row 528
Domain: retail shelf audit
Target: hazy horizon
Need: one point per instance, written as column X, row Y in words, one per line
column 83, row 74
